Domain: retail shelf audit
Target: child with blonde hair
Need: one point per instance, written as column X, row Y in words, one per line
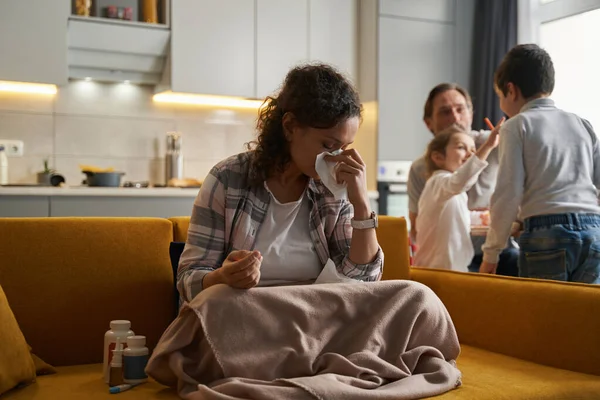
column 444, row 223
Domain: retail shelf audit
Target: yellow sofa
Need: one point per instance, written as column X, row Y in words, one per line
column 66, row 278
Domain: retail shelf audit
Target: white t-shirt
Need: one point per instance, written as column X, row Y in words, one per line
column 284, row 241
column 444, row 222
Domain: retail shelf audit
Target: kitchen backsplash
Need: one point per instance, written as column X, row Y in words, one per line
column 116, row 125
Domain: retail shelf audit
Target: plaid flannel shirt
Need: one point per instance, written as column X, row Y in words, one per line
column 229, row 211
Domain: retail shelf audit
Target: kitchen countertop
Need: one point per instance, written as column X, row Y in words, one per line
column 107, row 191
column 97, row 191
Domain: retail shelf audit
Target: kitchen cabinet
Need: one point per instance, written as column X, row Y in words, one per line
column 425, row 10
column 95, row 202
column 33, row 40
column 281, row 41
column 410, row 66
column 101, row 202
column 89, row 206
column 24, row 206
column 245, row 48
column 333, row 34
column 420, row 44
column 112, row 50
column 213, row 47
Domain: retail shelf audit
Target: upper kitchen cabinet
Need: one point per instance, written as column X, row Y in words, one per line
column 333, row 34
column 413, row 56
column 245, row 48
column 281, row 40
column 424, row 10
column 213, row 47
column 115, row 52
column 33, row 33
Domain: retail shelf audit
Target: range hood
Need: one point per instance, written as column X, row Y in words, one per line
column 117, row 51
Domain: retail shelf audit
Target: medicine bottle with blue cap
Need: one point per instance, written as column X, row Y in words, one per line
column 135, row 359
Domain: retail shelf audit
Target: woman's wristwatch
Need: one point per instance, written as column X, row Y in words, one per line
column 372, row 222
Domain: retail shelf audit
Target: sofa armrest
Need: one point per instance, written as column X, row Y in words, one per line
column 550, row 323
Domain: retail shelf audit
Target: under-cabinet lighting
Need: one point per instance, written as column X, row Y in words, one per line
column 26, row 87
column 206, row 100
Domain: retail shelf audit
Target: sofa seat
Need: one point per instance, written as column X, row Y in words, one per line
column 486, row 375
column 84, row 382
column 492, row 376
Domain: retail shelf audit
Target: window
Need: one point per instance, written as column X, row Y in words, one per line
column 573, row 44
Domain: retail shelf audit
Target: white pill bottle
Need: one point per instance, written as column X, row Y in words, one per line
column 119, row 329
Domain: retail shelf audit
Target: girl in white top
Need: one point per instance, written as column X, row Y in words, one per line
column 443, row 225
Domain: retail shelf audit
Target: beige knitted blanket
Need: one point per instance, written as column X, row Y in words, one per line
column 385, row 340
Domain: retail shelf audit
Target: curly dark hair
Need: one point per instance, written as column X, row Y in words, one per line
column 318, row 96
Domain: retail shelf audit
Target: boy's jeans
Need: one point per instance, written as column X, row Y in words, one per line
column 562, row 247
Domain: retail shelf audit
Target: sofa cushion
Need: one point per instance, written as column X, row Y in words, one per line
column 67, row 278
column 180, row 228
column 16, row 364
column 41, row 366
column 490, row 376
column 486, row 376
column 547, row 322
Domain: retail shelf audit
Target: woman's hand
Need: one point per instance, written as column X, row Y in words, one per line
column 241, row 269
column 352, row 170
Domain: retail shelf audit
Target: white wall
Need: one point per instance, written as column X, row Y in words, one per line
column 533, row 13
column 573, row 44
column 115, row 125
column 570, row 31
column 421, row 43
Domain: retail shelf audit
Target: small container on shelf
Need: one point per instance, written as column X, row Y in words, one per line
column 150, row 11
column 111, row 12
column 82, row 7
column 128, row 13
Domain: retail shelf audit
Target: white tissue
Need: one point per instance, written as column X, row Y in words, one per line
column 326, row 171
column 329, row 274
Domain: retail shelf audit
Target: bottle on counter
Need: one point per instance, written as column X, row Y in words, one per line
column 3, row 166
column 174, row 157
column 135, row 359
column 119, row 330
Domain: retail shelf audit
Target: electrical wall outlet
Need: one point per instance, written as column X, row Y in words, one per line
column 13, row 148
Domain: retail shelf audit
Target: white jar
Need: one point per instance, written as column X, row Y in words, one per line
column 135, row 359
column 118, row 329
